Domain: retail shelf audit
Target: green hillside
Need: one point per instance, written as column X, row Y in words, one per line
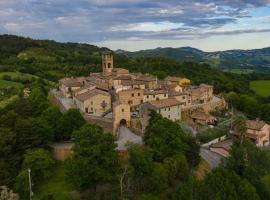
column 261, row 87
column 232, row 60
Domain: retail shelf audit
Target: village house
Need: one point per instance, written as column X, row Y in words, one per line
column 168, row 108
column 202, row 118
column 150, row 82
column 155, row 95
column 258, row 132
column 184, row 98
column 133, row 97
column 95, row 102
column 200, row 94
column 68, row 85
column 83, row 89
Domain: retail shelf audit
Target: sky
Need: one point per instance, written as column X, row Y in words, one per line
column 210, row 25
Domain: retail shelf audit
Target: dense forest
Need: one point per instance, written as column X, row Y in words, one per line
column 163, row 168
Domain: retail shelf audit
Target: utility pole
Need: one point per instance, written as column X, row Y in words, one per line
column 30, row 184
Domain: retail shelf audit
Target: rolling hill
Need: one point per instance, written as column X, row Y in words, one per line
column 236, row 61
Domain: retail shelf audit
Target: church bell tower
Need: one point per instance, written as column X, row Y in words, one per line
column 107, row 63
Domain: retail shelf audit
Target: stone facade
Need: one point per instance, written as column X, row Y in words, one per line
column 133, row 97
column 154, row 95
column 168, row 108
column 121, row 115
column 258, row 132
column 94, row 102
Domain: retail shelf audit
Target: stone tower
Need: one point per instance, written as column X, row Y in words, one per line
column 107, row 63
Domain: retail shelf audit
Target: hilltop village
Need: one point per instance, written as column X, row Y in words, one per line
column 117, row 97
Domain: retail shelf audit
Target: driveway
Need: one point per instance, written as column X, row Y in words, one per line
column 212, row 158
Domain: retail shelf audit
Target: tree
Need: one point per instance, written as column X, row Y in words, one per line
column 70, row 121
column 250, row 163
column 187, row 190
column 7, row 159
column 41, row 165
column 239, row 125
column 52, row 115
column 95, row 160
column 165, row 137
column 176, row 167
column 31, row 133
column 224, row 184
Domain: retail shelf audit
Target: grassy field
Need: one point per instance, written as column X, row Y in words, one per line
column 15, row 75
column 261, row 87
column 5, row 84
column 56, row 186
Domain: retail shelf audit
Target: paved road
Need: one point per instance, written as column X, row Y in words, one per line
column 212, row 158
column 125, row 136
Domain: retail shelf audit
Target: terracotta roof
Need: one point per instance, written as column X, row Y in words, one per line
column 255, row 124
column 163, row 103
column 132, row 82
column 174, row 93
column 123, row 77
column 70, row 82
column 91, row 93
column 201, row 116
column 146, row 78
column 154, row 92
column 206, row 85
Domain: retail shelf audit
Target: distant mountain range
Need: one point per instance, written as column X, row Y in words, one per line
column 237, row 61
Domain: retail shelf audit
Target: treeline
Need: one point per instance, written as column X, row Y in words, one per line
column 27, row 127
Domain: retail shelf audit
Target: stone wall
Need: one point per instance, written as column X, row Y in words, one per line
column 61, row 151
column 105, row 123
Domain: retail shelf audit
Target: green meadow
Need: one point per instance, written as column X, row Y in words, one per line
column 261, row 87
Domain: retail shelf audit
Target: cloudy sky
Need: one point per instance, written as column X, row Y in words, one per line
column 141, row 24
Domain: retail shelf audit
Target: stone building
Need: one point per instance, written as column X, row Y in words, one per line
column 200, row 94
column 68, row 85
column 121, row 115
column 95, row 102
column 182, row 97
column 168, row 108
column 155, row 95
column 133, row 97
column 258, row 132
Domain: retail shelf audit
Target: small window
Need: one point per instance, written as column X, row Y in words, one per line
column 165, row 109
column 147, row 97
column 139, row 94
column 165, row 95
column 132, row 94
column 123, row 110
column 141, row 101
column 169, row 116
column 169, row 109
column 91, row 102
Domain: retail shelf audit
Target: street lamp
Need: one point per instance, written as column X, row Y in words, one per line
column 30, row 184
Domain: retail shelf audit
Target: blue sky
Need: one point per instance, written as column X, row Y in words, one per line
column 210, row 25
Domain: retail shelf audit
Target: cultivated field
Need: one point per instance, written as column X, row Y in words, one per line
column 261, row 87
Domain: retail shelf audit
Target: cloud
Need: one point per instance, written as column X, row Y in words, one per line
column 100, row 20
